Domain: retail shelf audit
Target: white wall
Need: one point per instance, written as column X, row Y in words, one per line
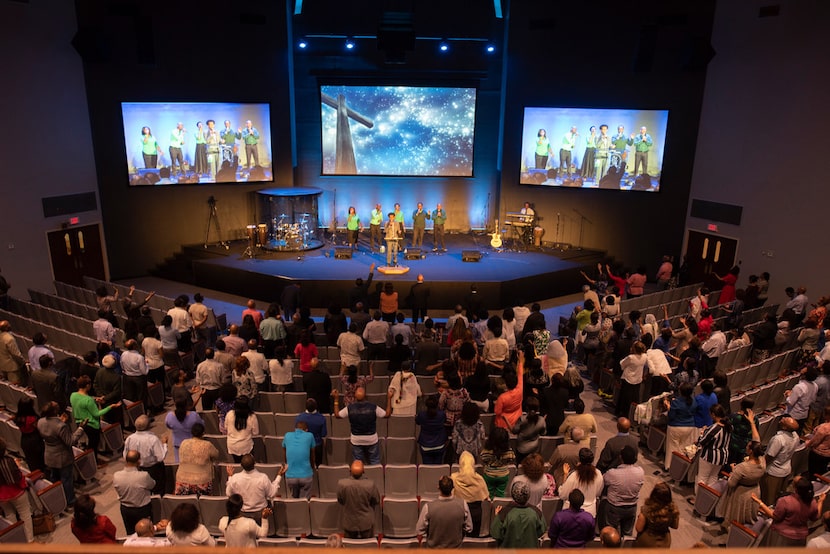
column 764, row 139
column 46, row 145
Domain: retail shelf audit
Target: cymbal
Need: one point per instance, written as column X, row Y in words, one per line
column 283, row 215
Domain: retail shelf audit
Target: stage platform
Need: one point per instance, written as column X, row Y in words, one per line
column 503, row 277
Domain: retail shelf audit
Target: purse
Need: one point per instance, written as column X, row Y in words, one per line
column 43, row 523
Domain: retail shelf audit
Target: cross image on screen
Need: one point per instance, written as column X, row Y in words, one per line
column 616, row 149
column 397, row 130
column 176, row 143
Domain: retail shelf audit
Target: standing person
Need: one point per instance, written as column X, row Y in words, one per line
column 150, row 148
column 229, row 137
column 419, row 225
column 778, row 459
column 623, row 484
column 255, row 488
column 496, row 458
column 196, row 460
column 200, row 164
column 574, row 527
column 272, row 331
column 181, row 422
column 290, row 299
column 11, row 360
column 541, row 484
column 209, row 378
column 610, row 457
column 359, row 497
column 727, row 293
column 242, row 426
column 681, row 430
column 58, row 440
column 316, row 425
column 374, row 228
column 792, row 515
column 405, row 392
column 736, row 503
column 176, row 145
column 657, row 517
column 446, row 520
column 714, row 447
column 240, row 531
column 317, row 386
column 819, row 445
column 30, row 440
column 418, row 299
column 801, row 397
column 518, row 525
column 389, row 302
column 392, row 234
column 603, row 144
column 199, row 316
column 353, row 227
column 89, row 527
column 642, row 144
column 439, row 219
column 433, row 436
column 589, row 156
column 212, row 140
column 363, row 417
column 306, row 352
column 664, row 273
column 134, row 488
column 299, row 448
column 281, row 369
column 620, row 143
column 182, row 322
column 508, row 406
column 151, row 450
column 350, row 345
column 565, row 152
column 633, row 369
column 185, row 528
column 471, row 488
column 258, row 366
column 86, row 413
column 245, row 381
column 542, row 149
column 586, row 478
column 134, row 374
column 13, row 496
column 250, row 136
column 528, row 429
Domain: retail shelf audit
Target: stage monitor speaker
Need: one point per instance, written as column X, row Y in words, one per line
column 470, row 256
column 412, row 254
column 343, row 252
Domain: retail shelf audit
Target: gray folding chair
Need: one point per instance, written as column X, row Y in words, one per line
column 291, row 517
column 428, row 477
column 325, row 516
column 211, row 510
column 328, row 476
column 401, row 450
column 401, row 481
column 400, row 515
column 169, row 502
column 267, row 425
column 338, row 451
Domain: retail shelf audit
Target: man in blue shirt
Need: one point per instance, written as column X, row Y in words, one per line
column 316, row 425
column 299, row 456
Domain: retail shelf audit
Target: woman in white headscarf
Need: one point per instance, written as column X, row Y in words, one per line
column 471, row 488
column 556, row 357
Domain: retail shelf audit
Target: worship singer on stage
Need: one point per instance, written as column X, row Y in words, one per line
column 392, row 236
column 439, row 218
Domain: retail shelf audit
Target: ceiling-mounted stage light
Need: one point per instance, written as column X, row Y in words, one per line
column 490, row 48
column 444, row 46
column 302, row 44
column 349, row 43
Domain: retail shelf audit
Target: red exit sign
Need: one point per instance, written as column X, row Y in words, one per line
column 712, row 227
column 76, row 220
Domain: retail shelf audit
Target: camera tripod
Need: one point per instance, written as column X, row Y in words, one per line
column 212, row 217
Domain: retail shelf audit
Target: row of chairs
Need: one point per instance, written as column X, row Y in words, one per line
column 58, row 337
column 754, row 375
column 332, row 353
column 659, row 298
column 63, row 304
column 320, row 517
column 766, row 397
column 55, row 318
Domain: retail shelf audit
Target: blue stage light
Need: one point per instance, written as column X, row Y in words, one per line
column 444, row 46
column 490, row 48
column 302, row 44
column 349, row 44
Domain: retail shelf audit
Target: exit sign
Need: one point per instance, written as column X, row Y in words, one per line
column 712, row 227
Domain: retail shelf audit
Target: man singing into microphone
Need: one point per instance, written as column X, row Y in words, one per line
column 568, row 144
column 250, row 136
column 419, row 225
column 392, row 235
column 176, row 144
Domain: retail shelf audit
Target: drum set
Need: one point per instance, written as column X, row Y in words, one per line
column 282, row 235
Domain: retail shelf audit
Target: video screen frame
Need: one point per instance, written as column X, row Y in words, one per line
column 631, row 161
column 398, row 130
column 180, row 152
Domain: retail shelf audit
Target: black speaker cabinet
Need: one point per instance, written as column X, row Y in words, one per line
column 413, row 254
column 470, row 256
column 343, row 252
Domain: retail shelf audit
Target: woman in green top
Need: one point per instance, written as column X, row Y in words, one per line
column 86, row 413
column 200, row 159
column 590, row 154
column 149, row 148
column 543, row 149
column 354, row 226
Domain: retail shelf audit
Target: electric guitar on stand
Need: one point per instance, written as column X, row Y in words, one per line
column 495, row 237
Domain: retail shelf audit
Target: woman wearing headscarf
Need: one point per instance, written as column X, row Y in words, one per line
column 471, row 488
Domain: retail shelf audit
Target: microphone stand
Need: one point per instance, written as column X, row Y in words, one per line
column 582, row 220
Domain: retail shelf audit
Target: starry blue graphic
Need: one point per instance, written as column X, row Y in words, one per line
column 418, row 131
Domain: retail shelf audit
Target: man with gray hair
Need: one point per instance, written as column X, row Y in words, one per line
column 567, row 453
column 151, row 449
column 134, row 374
column 134, row 488
column 145, row 534
column 444, row 521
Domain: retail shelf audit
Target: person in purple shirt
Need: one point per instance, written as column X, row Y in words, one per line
column 316, row 424
column 572, row 527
